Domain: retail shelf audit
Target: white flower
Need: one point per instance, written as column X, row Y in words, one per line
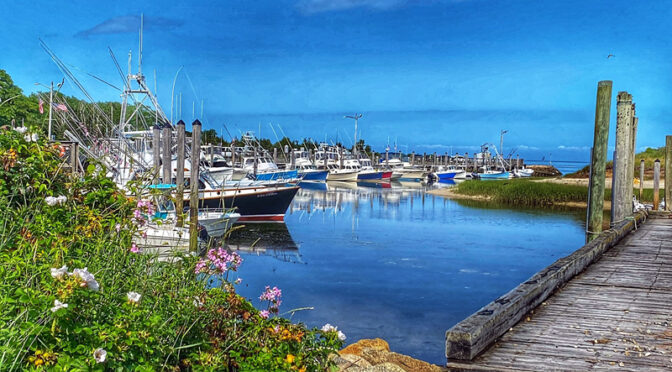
column 329, row 328
column 51, row 201
column 21, row 130
column 197, row 302
column 87, row 277
column 58, row 305
column 34, row 137
column 61, row 199
column 100, row 355
column 58, row 273
column 30, row 137
column 133, row 297
column 341, row 336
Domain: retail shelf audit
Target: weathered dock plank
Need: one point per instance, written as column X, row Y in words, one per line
column 615, row 315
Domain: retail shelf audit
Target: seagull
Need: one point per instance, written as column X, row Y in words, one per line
column 610, row 55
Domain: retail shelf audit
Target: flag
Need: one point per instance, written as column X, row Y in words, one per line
column 41, row 107
column 60, row 106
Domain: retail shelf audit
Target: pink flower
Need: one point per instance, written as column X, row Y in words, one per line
column 264, row 314
column 134, row 248
column 117, row 227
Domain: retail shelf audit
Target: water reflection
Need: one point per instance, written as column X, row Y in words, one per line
column 391, row 261
column 273, row 240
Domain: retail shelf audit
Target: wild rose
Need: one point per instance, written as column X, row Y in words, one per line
column 87, row 278
column 134, row 248
column 341, row 336
column 21, row 130
column 58, row 305
column 51, row 201
column 328, row 328
column 31, row 137
column 59, row 273
column 100, row 355
column 133, row 297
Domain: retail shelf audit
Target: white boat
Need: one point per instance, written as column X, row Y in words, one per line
column 524, row 172
column 161, row 238
column 217, row 222
column 337, row 174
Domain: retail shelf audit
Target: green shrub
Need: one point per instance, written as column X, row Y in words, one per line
column 75, row 295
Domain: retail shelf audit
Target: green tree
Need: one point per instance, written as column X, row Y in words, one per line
column 14, row 105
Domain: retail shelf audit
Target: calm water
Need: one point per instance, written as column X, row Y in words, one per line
column 397, row 263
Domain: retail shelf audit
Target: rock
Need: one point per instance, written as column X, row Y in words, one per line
column 356, row 348
column 375, row 356
column 385, row 367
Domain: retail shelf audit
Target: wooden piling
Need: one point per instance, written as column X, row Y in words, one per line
column 641, row 180
column 598, row 160
column 256, row 163
column 166, row 142
column 668, row 174
column 631, row 163
column 156, row 152
column 193, row 200
column 179, row 199
column 619, row 190
column 412, row 158
column 340, row 156
column 656, row 184
column 74, row 148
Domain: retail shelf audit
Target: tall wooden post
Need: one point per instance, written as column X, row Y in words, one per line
column 656, row 184
column 74, row 148
column 167, row 137
column 641, row 180
column 413, row 158
column 179, row 199
column 598, row 160
column 619, row 190
column 256, row 163
column 631, row 163
column 668, row 173
column 424, row 157
column 340, row 156
column 193, row 200
column 156, row 152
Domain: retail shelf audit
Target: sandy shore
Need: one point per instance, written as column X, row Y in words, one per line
column 648, row 184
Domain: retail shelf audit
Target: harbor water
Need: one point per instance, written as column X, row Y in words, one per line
column 390, row 261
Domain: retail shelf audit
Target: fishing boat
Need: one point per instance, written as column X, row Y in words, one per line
column 494, row 175
column 524, row 172
column 254, row 203
column 216, row 221
column 307, row 171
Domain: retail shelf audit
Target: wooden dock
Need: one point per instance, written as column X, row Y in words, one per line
column 615, row 315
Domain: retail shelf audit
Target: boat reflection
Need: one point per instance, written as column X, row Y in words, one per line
column 267, row 239
column 335, row 196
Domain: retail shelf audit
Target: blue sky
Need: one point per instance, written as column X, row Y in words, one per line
column 435, row 74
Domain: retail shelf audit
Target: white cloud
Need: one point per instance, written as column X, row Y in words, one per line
column 573, row 148
column 319, row 6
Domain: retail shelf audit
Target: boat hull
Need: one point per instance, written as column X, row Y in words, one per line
column 494, row 176
column 257, row 204
column 316, row 176
column 350, row 176
column 444, row 176
column 278, row 175
column 369, row 176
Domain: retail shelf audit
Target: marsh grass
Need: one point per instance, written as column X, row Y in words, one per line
column 527, row 192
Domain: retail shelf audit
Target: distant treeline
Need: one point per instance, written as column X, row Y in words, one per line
column 15, row 107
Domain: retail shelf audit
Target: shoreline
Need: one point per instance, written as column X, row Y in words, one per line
column 449, row 193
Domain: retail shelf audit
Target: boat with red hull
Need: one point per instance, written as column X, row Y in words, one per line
column 254, row 203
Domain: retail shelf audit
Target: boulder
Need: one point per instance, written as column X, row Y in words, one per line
column 375, row 356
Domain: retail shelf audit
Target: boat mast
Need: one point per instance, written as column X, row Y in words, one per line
column 356, row 117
